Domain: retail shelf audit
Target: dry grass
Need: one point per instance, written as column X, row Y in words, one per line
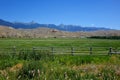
column 16, row 67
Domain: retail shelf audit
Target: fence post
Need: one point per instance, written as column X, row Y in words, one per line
column 72, row 50
column 33, row 50
column 14, row 49
column 52, row 49
column 110, row 51
column 90, row 50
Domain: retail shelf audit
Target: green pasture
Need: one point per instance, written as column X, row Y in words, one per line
column 25, row 63
column 58, row 42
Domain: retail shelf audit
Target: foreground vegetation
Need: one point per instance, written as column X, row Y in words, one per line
column 43, row 65
column 60, row 67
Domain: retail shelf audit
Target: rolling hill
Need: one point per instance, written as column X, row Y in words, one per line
column 41, row 32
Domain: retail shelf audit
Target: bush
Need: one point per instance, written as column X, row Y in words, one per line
column 105, row 37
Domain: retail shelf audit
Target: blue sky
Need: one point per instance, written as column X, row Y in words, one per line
column 100, row 13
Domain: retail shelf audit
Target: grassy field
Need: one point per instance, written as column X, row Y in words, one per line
column 43, row 65
column 51, row 42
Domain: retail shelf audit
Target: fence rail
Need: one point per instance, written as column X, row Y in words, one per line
column 63, row 50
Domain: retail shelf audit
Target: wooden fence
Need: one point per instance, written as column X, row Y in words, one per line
column 64, row 50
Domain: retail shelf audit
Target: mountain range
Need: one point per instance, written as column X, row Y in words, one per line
column 62, row 27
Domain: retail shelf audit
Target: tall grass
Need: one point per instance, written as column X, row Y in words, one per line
column 62, row 67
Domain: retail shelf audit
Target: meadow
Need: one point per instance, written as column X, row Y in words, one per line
column 43, row 65
column 58, row 42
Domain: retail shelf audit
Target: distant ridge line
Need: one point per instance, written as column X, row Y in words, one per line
column 62, row 27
